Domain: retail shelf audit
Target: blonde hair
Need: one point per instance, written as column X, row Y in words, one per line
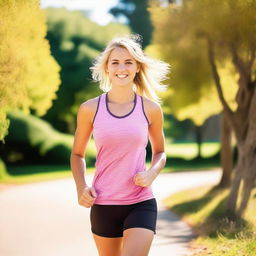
column 151, row 73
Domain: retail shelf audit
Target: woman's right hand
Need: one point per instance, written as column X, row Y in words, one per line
column 87, row 196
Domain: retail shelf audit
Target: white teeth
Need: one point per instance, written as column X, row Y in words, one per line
column 121, row 76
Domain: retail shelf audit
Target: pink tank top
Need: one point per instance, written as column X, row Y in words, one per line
column 121, row 151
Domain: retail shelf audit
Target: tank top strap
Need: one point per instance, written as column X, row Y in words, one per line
column 140, row 110
column 121, row 143
column 100, row 110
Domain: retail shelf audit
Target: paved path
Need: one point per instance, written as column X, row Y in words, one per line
column 44, row 219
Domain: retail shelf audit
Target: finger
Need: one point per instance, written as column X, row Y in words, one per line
column 86, row 203
column 88, row 195
column 137, row 177
column 93, row 192
column 142, row 183
column 83, row 203
column 139, row 183
column 86, row 199
column 139, row 180
column 89, row 204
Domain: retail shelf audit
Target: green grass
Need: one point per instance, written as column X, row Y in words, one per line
column 190, row 150
column 204, row 209
column 38, row 173
column 34, row 173
column 183, row 156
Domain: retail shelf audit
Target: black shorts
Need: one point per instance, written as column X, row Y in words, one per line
column 112, row 220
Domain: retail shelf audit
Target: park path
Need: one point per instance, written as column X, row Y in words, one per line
column 44, row 219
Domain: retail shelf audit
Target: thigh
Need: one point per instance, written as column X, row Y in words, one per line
column 139, row 229
column 107, row 220
column 108, row 246
column 143, row 215
column 107, row 228
column 137, row 242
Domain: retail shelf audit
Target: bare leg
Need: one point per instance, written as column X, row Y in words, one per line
column 137, row 242
column 108, row 246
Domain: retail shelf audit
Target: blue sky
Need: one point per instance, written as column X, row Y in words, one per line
column 98, row 8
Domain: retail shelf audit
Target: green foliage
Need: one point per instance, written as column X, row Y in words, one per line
column 38, row 173
column 3, row 171
column 138, row 17
column 74, row 25
column 28, row 74
column 181, row 35
column 75, row 41
column 32, row 140
column 189, row 150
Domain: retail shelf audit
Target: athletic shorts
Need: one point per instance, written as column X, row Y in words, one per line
column 112, row 220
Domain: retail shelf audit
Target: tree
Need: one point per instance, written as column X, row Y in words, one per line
column 225, row 31
column 75, row 41
column 138, row 17
column 29, row 75
column 191, row 94
column 226, row 152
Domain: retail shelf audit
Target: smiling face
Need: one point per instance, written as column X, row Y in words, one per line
column 121, row 67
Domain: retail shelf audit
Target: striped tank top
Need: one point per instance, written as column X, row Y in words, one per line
column 121, row 153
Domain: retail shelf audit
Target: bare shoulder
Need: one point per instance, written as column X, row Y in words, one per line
column 91, row 104
column 151, row 108
column 89, row 107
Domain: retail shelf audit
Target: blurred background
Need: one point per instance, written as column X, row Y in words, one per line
column 46, row 58
column 47, row 48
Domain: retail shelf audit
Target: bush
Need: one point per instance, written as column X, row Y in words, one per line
column 3, row 171
column 33, row 141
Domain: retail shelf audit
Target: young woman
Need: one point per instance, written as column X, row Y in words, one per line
column 123, row 208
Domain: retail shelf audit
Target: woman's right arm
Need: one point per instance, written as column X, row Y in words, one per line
column 86, row 195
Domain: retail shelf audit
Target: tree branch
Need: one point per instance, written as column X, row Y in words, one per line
column 216, row 78
column 251, row 60
column 240, row 65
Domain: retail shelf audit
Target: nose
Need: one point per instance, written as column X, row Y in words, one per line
column 121, row 67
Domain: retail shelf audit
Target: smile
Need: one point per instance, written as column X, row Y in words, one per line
column 122, row 76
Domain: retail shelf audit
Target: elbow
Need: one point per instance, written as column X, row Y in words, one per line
column 75, row 155
column 164, row 157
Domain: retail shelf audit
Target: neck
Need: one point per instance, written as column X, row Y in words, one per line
column 121, row 95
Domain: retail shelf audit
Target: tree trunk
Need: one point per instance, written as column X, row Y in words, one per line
column 199, row 140
column 242, row 122
column 247, row 188
column 249, row 175
column 226, row 152
column 246, row 166
column 232, row 200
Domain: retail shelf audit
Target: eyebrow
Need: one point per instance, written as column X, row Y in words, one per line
column 125, row 60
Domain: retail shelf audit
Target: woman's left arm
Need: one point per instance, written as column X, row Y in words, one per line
column 157, row 141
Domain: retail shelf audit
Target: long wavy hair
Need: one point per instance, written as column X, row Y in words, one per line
column 151, row 73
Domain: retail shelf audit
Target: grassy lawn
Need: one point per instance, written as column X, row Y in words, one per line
column 29, row 174
column 189, row 150
column 185, row 151
column 203, row 209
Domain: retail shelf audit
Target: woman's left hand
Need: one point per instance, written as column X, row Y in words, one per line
column 144, row 178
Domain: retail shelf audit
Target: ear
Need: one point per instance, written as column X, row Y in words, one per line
column 138, row 68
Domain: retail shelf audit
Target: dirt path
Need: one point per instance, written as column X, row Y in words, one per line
column 44, row 219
